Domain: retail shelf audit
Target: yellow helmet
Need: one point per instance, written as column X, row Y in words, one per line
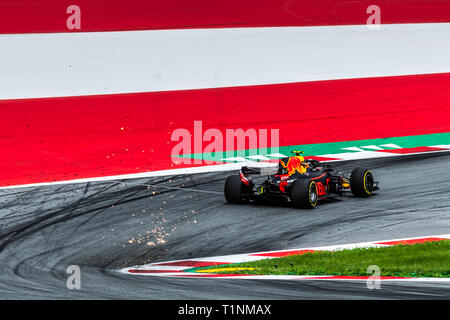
column 297, row 153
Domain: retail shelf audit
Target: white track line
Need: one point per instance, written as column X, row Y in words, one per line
column 225, row 167
column 391, row 145
column 151, row 174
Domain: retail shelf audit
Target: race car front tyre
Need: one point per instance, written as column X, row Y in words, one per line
column 304, row 194
column 235, row 190
column 361, row 182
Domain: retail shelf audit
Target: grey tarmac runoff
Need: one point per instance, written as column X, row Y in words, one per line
column 105, row 226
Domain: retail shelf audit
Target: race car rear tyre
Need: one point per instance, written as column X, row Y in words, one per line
column 361, row 182
column 304, row 194
column 235, row 190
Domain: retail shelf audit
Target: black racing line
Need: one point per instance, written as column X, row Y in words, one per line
column 104, row 226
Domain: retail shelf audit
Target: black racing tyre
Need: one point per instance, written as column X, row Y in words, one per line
column 304, row 194
column 361, row 182
column 235, row 190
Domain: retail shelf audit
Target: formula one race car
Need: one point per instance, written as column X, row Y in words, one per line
column 302, row 182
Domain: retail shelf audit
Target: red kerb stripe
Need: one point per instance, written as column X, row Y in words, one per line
column 152, row 271
column 191, row 263
column 412, row 241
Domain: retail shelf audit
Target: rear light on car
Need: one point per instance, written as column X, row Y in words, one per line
column 282, row 186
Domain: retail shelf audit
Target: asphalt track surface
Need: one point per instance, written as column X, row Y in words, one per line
column 97, row 226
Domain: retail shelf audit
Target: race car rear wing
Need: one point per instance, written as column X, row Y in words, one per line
column 259, row 170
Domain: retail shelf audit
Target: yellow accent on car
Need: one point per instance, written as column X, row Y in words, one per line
column 309, row 194
column 223, row 269
column 364, row 183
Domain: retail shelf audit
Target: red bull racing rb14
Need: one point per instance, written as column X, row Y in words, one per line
column 298, row 181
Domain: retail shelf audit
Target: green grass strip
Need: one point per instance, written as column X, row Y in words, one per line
column 429, row 259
